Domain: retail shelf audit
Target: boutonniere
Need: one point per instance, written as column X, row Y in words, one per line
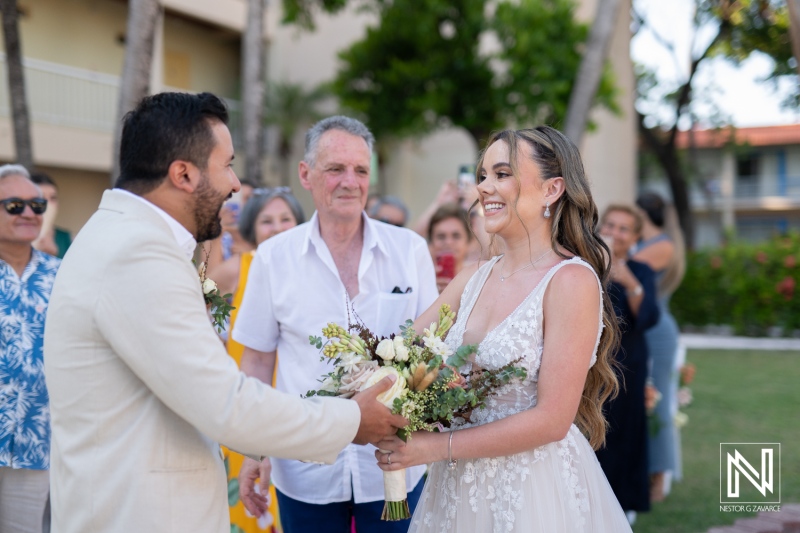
column 217, row 304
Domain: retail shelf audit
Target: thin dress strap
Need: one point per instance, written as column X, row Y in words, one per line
column 579, row 261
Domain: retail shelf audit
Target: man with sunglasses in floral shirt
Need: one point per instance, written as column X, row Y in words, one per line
column 26, row 278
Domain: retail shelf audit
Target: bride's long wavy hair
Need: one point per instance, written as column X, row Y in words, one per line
column 574, row 222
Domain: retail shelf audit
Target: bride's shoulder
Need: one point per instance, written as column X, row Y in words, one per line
column 574, row 278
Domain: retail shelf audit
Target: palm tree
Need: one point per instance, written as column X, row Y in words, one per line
column 794, row 29
column 16, row 83
column 289, row 107
column 253, row 89
column 135, row 82
column 591, row 69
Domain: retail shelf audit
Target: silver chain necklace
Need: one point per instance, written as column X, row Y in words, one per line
column 503, row 278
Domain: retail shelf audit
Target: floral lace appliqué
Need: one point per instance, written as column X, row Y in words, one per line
column 496, row 484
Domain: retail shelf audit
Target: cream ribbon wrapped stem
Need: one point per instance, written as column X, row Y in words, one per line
column 395, row 495
column 394, row 483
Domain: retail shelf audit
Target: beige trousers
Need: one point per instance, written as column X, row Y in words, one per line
column 23, row 498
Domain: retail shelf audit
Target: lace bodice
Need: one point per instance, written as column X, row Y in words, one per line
column 519, row 337
column 558, row 486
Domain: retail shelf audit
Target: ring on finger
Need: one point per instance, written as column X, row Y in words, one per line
column 389, row 458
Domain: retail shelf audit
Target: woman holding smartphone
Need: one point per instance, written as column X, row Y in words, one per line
column 449, row 236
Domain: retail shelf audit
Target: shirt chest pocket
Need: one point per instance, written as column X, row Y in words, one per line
column 393, row 311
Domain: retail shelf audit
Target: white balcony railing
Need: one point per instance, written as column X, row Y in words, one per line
column 65, row 96
column 72, row 97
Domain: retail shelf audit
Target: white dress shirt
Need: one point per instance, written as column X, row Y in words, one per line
column 293, row 291
column 182, row 235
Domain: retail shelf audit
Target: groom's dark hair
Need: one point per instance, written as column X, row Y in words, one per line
column 164, row 128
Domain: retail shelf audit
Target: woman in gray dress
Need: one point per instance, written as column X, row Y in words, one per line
column 662, row 249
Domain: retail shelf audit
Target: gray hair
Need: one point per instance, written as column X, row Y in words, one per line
column 388, row 200
column 14, row 170
column 337, row 122
column 256, row 202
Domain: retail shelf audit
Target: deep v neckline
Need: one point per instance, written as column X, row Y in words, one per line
column 512, row 313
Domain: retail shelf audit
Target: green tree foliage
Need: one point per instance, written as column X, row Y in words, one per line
column 738, row 28
column 436, row 63
column 301, row 12
column 420, row 68
column 754, row 26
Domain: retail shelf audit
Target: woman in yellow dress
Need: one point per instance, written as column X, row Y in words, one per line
column 267, row 213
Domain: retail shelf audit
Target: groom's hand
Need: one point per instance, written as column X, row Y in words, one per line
column 377, row 421
column 252, row 470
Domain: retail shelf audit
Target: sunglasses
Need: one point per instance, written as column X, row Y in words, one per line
column 272, row 190
column 15, row 206
column 392, row 222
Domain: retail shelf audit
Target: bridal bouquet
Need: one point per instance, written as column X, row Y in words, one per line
column 429, row 391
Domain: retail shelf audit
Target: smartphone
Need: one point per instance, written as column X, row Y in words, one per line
column 446, row 266
column 465, row 178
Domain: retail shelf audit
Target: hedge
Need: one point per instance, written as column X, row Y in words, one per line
column 750, row 287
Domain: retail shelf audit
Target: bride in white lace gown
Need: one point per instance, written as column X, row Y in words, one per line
column 523, row 463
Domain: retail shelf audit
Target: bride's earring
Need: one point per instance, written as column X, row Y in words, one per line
column 547, row 210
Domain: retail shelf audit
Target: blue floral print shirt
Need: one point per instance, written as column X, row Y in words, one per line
column 24, row 404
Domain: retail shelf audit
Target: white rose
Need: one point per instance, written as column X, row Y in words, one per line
column 400, row 350
column 397, row 390
column 209, row 286
column 385, row 350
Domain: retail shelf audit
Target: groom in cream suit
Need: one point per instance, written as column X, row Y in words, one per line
column 141, row 389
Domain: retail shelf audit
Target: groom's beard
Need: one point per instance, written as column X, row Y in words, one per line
column 207, row 205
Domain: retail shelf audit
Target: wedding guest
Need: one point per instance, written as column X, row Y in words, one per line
column 525, row 462
column 633, row 292
column 341, row 267
column 230, row 242
column 267, row 213
column 481, row 245
column 141, row 389
column 449, row 238
column 26, row 278
column 389, row 209
column 52, row 239
column 661, row 248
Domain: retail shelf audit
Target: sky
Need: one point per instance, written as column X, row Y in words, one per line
column 734, row 91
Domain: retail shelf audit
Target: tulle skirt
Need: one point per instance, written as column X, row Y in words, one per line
column 558, row 487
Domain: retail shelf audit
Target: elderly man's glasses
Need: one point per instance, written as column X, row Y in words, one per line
column 15, row 206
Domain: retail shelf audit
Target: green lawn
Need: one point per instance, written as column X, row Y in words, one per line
column 739, row 396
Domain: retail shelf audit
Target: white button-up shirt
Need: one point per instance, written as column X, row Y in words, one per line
column 293, row 291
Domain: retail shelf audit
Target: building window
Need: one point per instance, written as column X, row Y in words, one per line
column 747, row 172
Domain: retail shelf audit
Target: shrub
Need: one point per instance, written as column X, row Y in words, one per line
column 750, row 287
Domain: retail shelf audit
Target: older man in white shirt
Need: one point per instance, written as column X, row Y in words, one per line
column 340, row 266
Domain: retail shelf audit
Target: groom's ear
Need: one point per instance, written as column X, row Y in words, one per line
column 184, row 175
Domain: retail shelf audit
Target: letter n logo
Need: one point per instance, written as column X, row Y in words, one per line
column 747, row 472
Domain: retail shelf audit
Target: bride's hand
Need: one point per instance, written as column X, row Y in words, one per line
column 422, row 448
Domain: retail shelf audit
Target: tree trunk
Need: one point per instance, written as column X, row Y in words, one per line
column 135, row 82
column 253, row 90
column 16, row 84
column 591, row 69
column 667, row 156
column 794, row 29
